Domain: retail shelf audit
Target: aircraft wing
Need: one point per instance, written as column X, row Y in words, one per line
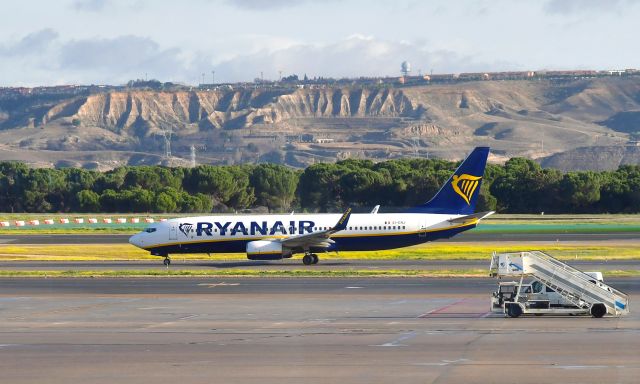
column 320, row 239
column 476, row 216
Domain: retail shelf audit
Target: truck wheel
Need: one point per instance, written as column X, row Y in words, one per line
column 514, row 310
column 598, row 310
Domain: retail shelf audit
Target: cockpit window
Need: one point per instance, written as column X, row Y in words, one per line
column 150, row 230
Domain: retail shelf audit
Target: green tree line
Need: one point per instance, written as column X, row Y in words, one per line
column 518, row 186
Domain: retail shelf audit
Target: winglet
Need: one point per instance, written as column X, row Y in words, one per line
column 342, row 223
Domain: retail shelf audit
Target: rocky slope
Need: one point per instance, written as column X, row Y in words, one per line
column 300, row 126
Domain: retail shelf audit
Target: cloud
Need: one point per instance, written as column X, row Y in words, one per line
column 264, row 5
column 44, row 58
column 31, row 44
column 90, row 5
column 567, row 7
column 126, row 57
column 119, row 59
column 354, row 56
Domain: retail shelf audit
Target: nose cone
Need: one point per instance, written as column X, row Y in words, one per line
column 136, row 240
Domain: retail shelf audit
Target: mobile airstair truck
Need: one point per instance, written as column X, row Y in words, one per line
column 551, row 287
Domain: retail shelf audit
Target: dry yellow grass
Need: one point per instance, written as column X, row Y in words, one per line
column 432, row 251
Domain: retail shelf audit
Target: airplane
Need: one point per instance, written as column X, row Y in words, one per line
column 275, row 237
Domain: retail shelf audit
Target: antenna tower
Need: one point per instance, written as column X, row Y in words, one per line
column 193, row 156
column 167, row 142
column 416, row 145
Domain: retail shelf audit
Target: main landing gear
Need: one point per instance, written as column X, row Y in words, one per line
column 167, row 261
column 310, row 258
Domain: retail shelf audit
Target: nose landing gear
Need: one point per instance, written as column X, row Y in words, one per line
column 167, row 260
column 310, row 258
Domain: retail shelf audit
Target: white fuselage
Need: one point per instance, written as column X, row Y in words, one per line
column 231, row 233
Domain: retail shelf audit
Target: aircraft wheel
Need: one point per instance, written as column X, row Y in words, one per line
column 315, row 258
column 307, row 259
column 514, row 310
column 167, row 261
column 598, row 310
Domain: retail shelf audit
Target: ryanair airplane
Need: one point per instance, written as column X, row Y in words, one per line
column 274, row 237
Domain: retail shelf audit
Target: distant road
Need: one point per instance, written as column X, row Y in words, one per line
column 464, row 237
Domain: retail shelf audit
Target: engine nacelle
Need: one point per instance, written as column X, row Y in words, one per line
column 266, row 250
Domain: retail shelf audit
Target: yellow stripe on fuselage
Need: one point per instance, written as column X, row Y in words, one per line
column 470, row 223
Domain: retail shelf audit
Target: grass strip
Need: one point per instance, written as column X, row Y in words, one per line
column 248, row 273
column 485, row 227
column 429, row 251
column 503, row 223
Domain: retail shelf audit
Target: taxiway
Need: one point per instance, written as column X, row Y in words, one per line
column 283, row 330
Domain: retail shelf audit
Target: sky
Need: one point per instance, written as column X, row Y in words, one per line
column 45, row 42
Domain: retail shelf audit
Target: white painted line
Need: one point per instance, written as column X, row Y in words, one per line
column 398, row 342
column 353, row 287
column 223, row 284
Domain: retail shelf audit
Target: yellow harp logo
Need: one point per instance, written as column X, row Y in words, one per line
column 465, row 185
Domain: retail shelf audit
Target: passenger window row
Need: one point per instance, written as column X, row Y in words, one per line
column 367, row 228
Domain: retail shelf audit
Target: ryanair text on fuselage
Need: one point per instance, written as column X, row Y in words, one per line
column 204, row 228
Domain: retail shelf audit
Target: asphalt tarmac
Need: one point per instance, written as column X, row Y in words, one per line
column 276, row 330
column 463, row 237
column 294, row 264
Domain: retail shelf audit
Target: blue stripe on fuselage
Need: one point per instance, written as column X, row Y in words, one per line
column 350, row 243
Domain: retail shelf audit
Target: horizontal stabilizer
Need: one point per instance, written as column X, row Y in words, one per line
column 476, row 216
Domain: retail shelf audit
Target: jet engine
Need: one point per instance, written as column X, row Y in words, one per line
column 266, row 250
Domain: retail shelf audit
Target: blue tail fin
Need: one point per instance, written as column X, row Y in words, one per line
column 459, row 194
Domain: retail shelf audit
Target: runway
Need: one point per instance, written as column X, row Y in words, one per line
column 333, row 263
column 470, row 236
column 279, row 330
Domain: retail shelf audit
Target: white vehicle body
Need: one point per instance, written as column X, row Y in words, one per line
column 552, row 287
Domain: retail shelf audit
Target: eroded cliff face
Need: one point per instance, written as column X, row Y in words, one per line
column 124, row 111
column 524, row 118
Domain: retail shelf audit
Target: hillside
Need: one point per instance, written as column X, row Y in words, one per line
column 536, row 119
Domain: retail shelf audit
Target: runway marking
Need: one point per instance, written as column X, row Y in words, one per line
column 213, row 285
column 438, row 310
column 188, row 317
column 398, row 342
column 443, row 363
column 353, row 287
